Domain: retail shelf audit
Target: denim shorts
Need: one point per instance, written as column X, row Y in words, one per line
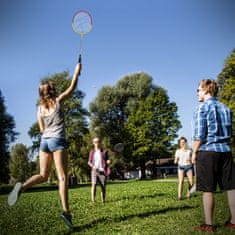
column 185, row 168
column 52, row 144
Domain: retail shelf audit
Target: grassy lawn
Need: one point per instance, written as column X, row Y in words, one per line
column 133, row 207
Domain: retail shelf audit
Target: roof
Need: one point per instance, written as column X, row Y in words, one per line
column 161, row 162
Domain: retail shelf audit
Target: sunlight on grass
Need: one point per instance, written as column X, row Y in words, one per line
column 134, row 207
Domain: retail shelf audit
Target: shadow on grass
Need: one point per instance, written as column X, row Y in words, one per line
column 5, row 189
column 138, row 197
column 126, row 217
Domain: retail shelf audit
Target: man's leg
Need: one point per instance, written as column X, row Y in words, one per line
column 231, row 203
column 208, row 205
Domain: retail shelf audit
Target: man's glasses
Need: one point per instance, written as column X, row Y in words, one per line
column 199, row 90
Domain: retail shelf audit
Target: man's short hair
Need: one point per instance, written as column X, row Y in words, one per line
column 210, row 86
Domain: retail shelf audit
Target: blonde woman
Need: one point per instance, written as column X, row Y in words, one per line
column 98, row 162
column 183, row 157
column 53, row 143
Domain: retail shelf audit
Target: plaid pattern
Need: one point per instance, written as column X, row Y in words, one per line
column 96, row 175
column 213, row 126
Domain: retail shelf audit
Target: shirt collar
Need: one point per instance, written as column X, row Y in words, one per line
column 210, row 99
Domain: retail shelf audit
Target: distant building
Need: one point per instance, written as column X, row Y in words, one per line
column 136, row 174
column 160, row 168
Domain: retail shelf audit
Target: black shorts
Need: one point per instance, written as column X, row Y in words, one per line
column 214, row 168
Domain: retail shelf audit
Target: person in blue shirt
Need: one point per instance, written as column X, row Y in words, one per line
column 212, row 154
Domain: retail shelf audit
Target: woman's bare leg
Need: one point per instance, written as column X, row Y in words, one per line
column 181, row 183
column 45, row 161
column 61, row 160
column 190, row 181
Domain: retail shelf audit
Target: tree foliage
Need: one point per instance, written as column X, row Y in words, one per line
column 152, row 127
column 226, row 80
column 137, row 113
column 19, row 165
column 7, row 135
column 228, row 71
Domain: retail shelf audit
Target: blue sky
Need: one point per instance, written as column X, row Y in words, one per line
column 177, row 42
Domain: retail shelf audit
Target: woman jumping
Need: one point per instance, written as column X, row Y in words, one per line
column 53, row 143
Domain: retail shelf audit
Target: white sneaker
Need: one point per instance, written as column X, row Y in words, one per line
column 14, row 194
column 193, row 189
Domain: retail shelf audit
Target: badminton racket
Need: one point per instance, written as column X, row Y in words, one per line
column 81, row 24
column 119, row 147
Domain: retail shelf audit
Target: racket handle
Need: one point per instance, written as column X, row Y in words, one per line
column 80, row 59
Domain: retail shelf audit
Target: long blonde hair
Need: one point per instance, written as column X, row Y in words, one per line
column 47, row 94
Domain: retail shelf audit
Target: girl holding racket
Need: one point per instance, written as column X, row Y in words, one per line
column 53, row 144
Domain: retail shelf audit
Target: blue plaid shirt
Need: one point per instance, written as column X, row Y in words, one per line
column 213, row 126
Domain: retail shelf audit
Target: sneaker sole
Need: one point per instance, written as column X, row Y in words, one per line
column 13, row 196
column 69, row 225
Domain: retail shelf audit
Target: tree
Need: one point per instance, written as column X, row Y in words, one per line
column 228, row 71
column 118, row 115
column 75, row 117
column 7, row 135
column 111, row 107
column 19, row 165
column 152, row 127
column 110, row 110
column 226, row 80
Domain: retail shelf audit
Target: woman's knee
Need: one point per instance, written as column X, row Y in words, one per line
column 62, row 178
column 181, row 181
column 44, row 176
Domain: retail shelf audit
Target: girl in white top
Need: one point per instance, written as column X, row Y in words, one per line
column 183, row 157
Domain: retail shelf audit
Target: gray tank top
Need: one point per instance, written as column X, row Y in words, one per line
column 54, row 123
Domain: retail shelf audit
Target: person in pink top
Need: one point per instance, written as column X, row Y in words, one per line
column 98, row 161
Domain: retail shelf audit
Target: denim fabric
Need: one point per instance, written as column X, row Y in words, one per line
column 50, row 145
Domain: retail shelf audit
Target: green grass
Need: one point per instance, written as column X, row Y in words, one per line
column 134, row 207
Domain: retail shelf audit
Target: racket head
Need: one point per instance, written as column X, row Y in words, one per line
column 82, row 22
column 119, row 147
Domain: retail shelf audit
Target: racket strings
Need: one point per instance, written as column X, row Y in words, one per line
column 82, row 23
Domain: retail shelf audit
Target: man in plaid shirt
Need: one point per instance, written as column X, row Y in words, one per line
column 212, row 133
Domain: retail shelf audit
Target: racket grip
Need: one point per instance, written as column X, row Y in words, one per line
column 80, row 59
